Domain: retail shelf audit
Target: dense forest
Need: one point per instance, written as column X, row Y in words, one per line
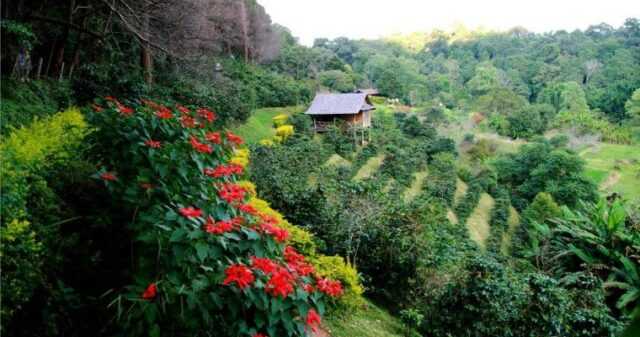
column 159, row 177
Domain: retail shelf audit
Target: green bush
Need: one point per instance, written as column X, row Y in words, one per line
column 22, row 102
column 516, row 304
column 499, row 219
column 29, row 151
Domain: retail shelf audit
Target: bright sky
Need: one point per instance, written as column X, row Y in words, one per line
column 309, row 19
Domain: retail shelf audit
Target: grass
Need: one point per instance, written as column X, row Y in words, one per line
column 461, row 190
column 416, row 186
column 513, row 222
column 337, row 160
column 478, row 222
column 608, row 161
column 452, row 217
column 369, row 168
column 367, row 321
column 260, row 125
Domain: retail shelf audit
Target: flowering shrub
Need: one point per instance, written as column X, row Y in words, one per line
column 210, row 257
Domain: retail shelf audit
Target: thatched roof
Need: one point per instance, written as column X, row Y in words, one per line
column 339, row 104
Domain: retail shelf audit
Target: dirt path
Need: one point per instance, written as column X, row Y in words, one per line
column 611, row 180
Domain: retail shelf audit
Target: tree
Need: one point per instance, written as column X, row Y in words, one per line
column 633, row 105
column 539, row 167
column 337, row 80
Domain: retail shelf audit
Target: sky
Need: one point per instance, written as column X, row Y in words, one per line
column 310, row 19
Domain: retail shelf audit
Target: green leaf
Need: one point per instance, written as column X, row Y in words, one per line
column 177, row 235
column 202, row 250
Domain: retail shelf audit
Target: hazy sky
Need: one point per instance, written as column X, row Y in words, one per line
column 309, row 19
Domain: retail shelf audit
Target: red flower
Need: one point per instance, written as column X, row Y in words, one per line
column 268, row 219
column 239, row 274
column 213, row 137
column 219, row 227
column 151, row 104
column 153, row 144
column 266, row 265
column 246, row 208
column 206, row 114
column 231, row 193
column 292, row 256
column 302, row 268
column 280, row 283
column 224, row 170
column 330, row 287
column 150, row 292
column 184, row 110
column 164, row 113
column 234, row 138
column 313, row 320
column 200, row 147
column 259, row 335
column 108, row 176
column 97, row 108
column 278, row 234
column 308, row 288
column 188, row 122
column 125, row 110
column 190, row 212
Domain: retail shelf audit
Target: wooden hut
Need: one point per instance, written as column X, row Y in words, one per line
column 355, row 109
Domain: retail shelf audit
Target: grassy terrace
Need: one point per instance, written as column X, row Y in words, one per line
column 260, row 125
column 615, row 168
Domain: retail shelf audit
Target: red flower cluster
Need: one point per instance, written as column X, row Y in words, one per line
column 232, row 193
column 108, row 176
column 330, row 287
column 268, row 219
column 213, row 137
column 125, row 110
column 150, row 292
column 219, row 227
column 184, row 110
column 224, row 170
column 259, row 335
column 278, row 234
column 246, row 208
column 153, row 144
column 265, row 265
column 233, row 138
column 308, row 288
column 239, row 274
column 206, row 114
column 97, row 108
column 296, row 262
column 313, row 320
column 200, row 147
column 190, row 212
column 280, row 283
column 188, row 122
column 164, row 113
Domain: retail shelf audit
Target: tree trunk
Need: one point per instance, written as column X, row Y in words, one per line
column 146, row 58
column 245, row 29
